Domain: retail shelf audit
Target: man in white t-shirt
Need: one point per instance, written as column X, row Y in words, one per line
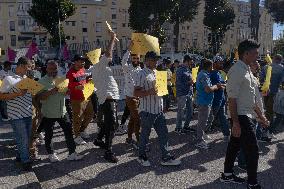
column 19, row 109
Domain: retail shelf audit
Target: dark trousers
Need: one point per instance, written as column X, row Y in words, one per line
column 125, row 115
column 48, row 124
column 68, row 109
column 107, row 121
column 247, row 141
column 95, row 103
column 3, row 109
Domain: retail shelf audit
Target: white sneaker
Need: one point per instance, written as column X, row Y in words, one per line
column 202, row 145
column 206, row 137
column 171, row 162
column 85, row 135
column 144, row 161
column 74, row 157
column 79, row 140
column 41, row 136
column 53, row 158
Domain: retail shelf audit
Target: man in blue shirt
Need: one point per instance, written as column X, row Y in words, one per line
column 184, row 93
column 219, row 100
column 204, row 99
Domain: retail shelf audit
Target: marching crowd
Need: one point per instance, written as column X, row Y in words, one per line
column 231, row 101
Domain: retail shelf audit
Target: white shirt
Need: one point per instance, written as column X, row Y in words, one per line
column 130, row 74
column 104, row 81
column 146, row 79
column 241, row 86
column 3, row 73
column 19, row 107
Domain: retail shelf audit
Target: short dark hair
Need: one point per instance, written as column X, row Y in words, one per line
column 206, row 64
column 246, row 46
column 187, row 58
column 7, row 63
column 23, row 61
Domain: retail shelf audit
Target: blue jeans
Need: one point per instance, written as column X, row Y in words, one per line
column 276, row 122
column 184, row 111
column 219, row 113
column 22, row 131
column 158, row 121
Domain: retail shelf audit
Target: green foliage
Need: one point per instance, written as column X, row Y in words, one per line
column 174, row 11
column 218, row 16
column 276, row 9
column 279, row 46
column 45, row 13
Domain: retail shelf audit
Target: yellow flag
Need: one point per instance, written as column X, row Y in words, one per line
column 94, row 56
column 144, row 43
column 31, row 85
column 161, row 83
column 88, row 89
column 266, row 84
column 194, row 74
column 224, row 75
column 62, row 84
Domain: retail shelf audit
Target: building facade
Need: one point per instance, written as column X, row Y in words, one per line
column 86, row 29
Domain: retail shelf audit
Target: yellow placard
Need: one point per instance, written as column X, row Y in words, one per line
column 268, row 59
column 266, row 84
column 31, row 85
column 161, row 83
column 88, row 89
column 94, row 56
column 194, row 74
column 142, row 43
column 62, row 84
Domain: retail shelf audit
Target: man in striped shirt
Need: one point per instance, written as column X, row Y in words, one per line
column 132, row 102
column 151, row 112
column 19, row 108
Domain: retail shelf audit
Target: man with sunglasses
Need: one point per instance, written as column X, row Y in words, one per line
column 53, row 110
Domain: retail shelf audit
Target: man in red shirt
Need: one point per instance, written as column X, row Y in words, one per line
column 82, row 110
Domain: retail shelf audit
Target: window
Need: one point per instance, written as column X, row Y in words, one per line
column 98, row 13
column 21, row 22
column 13, row 40
column 12, row 25
column 1, row 37
column 85, row 39
column 85, row 29
column 113, row 16
column 84, row 13
column 124, row 25
column 67, row 23
column 68, row 37
column 73, row 38
column 73, row 23
column 98, row 26
column 113, row 13
column 11, row 10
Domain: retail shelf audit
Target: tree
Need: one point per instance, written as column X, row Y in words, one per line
column 275, row 8
column 47, row 13
column 218, row 16
column 279, row 45
column 255, row 16
column 182, row 11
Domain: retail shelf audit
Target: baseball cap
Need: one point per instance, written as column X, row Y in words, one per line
column 153, row 55
column 78, row 57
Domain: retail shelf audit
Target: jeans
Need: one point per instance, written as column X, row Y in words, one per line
column 83, row 113
column 247, row 141
column 134, row 121
column 276, row 122
column 107, row 122
column 48, row 124
column 158, row 121
column 203, row 115
column 268, row 102
column 23, row 131
column 184, row 111
column 219, row 113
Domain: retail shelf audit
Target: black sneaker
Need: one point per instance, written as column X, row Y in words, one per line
column 110, row 157
column 255, row 186
column 188, row 130
column 264, row 139
column 178, row 131
column 27, row 166
column 100, row 144
column 231, row 179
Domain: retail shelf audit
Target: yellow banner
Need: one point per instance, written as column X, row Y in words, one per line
column 62, row 84
column 268, row 59
column 266, row 84
column 144, row 43
column 88, row 89
column 161, row 83
column 31, row 85
column 194, row 74
column 94, row 56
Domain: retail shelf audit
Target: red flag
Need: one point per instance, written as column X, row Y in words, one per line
column 11, row 55
column 33, row 49
column 66, row 54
